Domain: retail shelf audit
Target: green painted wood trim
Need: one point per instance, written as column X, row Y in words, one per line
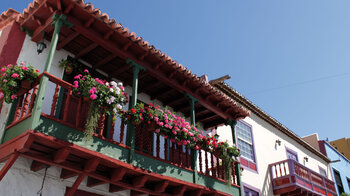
column 58, row 22
column 194, row 153
column 130, row 135
column 11, row 114
column 232, row 124
column 217, row 185
column 58, row 130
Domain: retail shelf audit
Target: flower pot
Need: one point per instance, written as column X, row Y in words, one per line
column 26, row 85
column 68, row 70
column 151, row 127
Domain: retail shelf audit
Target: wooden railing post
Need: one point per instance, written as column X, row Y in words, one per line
column 232, row 124
column 130, row 135
column 194, row 153
column 58, row 22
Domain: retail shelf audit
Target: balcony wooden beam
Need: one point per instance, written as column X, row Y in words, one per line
column 160, row 187
column 91, row 182
column 86, row 50
column 39, row 32
column 104, row 61
column 67, row 40
column 114, row 188
column 36, row 166
column 118, row 174
column 61, row 155
column 65, row 174
column 139, row 181
column 8, row 165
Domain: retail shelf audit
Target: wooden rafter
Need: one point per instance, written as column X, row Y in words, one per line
column 86, row 50
column 160, row 187
column 104, row 61
column 39, row 32
column 161, row 93
column 68, row 39
column 91, row 182
column 114, row 188
column 139, row 181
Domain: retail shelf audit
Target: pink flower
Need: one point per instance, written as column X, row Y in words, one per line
column 122, row 88
column 3, row 69
column 174, row 132
column 13, row 96
column 172, row 140
column 9, row 66
column 23, row 63
column 76, row 84
column 196, row 147
column 157, row 130
column 93, row 90
column 86, row 71
column 4, row 80
column 14, row 75
column 24, row 68
column 93, row 96
column 37, row 70
column 77, row 76
column 184, row 142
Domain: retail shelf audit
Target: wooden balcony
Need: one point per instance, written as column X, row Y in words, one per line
column 158, row 167
column 292, row 178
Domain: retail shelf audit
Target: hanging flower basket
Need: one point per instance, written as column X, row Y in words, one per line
column 105, row 98
column 68, row 69
column 16, row 80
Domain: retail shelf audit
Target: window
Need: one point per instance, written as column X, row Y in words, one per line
column 323, row 172
column 245, row 144
column 292, row 154
column 338, row 181
column 250, row 192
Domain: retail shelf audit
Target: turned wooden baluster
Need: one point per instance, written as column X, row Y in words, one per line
column 54, row 100
column 26, row 103
column 101, row 124
column 233, row 173
column 66, row 106
column 200, row 161
column 122, row 127
column 206, row 162
column 219, row 168
column 213, row 170
column 165, row 149
column 32, row 99
column 158, row 146
column 111, row 131
column 18, row 108
column 77, row 120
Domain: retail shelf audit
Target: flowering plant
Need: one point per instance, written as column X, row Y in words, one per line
column 166, row 123
column 105, row 97
column 11, row 77
column 69, row 65
column 221, row 150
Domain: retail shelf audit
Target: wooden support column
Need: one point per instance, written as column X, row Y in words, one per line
column 193, row 123
column 58, row 22
column 130, row 136
column 232, row 124
column 8, row 165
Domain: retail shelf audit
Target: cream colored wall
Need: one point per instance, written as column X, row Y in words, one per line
column 264, row 136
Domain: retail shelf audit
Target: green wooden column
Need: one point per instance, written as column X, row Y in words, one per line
column 130, row 135
column 232, row 124
column 58, row 22
column 193, row 122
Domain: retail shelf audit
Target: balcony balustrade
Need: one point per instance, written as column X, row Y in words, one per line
column 290, row 177
column 66, row 110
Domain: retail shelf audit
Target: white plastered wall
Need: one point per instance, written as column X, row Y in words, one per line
column 19, row 180
column 267, row 152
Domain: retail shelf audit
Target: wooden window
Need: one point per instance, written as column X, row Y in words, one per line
column 338, row 181
column 246, row 145
column 292, row 154
column 323, row 172
column 250, row 192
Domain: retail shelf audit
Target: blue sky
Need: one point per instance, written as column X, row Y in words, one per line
column 291, row 58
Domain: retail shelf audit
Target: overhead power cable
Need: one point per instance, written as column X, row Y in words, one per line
column 298, row 83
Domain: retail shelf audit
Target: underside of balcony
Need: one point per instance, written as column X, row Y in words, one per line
column 101, row 169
